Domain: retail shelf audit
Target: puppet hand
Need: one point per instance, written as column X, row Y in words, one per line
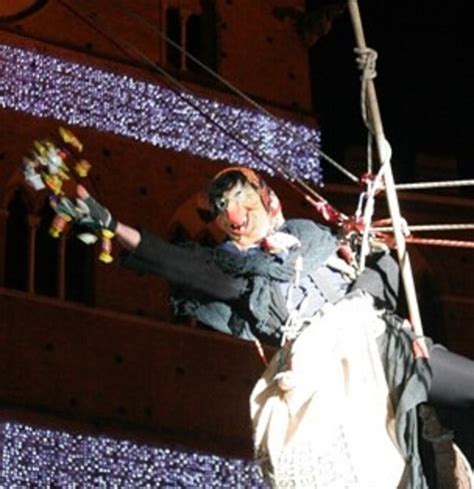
column 92, row 213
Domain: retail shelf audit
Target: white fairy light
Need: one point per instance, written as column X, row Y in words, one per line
column 33, row 457
column 78, row 94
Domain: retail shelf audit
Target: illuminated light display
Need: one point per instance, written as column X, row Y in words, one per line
column 42, row 458
column 82, row 95
column 77, row 94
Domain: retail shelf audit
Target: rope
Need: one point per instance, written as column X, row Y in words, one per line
column 174, row 83
column 428, row 227
column 370, row 160
column 372, row 189
column 292, row 326
column 291, row 178
column 392, row 199
column 237, row 91
column 424, row 185
column 440, row 242
column 366, row 60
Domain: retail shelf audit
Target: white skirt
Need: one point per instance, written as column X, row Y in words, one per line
column 321, row 412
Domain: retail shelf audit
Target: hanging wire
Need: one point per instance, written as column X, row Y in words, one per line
column 180, row 89
column 451, row 243
column 430, row 185
column 366, row 61
column 428, row 227
column 236, row 90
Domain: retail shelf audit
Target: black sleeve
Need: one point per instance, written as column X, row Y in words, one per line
column 191, row 267
column 381, row 278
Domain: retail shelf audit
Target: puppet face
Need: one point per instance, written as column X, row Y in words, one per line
column 242, row 215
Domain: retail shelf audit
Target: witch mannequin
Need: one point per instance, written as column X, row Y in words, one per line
column 336, row 406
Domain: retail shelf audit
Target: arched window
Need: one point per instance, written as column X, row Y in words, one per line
column 79, row 271
column 201, row 37
column 40, row 264
column 194, row 41
column 46, row 259
column 193, row 29
column 173, row 32
column 16, row 246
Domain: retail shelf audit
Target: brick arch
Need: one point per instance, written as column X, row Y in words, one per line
column 30, row 260
column 33, row 200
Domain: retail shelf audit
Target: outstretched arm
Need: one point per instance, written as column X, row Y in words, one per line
column 192, row 267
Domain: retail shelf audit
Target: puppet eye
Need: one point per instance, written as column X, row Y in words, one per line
column 221, row 204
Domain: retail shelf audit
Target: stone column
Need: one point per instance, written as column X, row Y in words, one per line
column 62, row 267
column 33, row 223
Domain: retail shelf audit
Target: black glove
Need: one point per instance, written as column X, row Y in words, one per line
column 93, row 214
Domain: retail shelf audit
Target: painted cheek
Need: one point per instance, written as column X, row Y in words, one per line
column 262, row 222
column 224, row 223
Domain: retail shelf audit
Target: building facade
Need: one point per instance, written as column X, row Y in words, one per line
column 89, row 341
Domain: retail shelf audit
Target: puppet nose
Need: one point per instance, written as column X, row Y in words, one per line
column 235, row 215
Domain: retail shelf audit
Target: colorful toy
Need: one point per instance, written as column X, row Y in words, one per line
column 56, row 165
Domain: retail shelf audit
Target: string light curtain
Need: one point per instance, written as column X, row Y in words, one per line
column 33, row 457
column 78, row 94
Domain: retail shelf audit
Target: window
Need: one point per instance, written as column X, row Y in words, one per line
column 16, row 246
column 46, row 258
column 79, row 271
column 38, row 263
column 173, row 32
column 195, row 32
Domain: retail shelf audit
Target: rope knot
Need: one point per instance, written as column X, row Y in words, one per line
column 366, row 61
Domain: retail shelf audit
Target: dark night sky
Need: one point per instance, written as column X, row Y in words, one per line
column 423, row 83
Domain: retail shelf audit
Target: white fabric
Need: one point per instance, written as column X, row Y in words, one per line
column 280, row 242
column 324, row 419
